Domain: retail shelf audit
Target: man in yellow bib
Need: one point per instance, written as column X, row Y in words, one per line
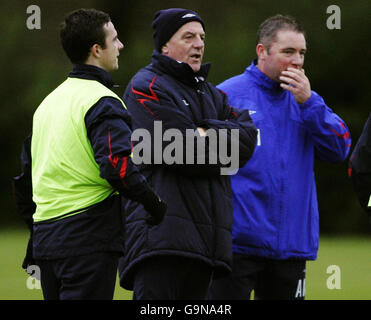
column 81, row 168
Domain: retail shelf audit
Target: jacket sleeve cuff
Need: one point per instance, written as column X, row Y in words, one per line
column 314, row 99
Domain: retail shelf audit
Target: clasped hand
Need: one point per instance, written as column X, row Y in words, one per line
column 297, row 83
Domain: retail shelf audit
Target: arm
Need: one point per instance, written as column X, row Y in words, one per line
column 233, row 119
column 360, row 167
column 153, row 110
column 330, row 134
column 22, row 188
column 108, row 129
column 148, row 103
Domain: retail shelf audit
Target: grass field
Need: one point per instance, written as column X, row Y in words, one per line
column 352, row 255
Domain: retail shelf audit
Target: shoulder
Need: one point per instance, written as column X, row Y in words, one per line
column 147, row 79
column 107, row 107
column 218, row 96
column 143, row 76
column 213, row 88
column 233, row 85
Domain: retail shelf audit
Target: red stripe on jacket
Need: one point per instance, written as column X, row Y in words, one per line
column 153, row 95
column 114, row 161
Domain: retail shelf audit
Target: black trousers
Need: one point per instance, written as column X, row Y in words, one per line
column 270, row 280
column 87, row 277
column 172, row 278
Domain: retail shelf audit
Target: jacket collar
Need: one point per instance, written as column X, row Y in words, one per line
column 180, row 70
column 89, row 72
column 262, row 79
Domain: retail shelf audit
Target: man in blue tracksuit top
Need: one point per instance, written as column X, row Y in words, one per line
column 275, row 204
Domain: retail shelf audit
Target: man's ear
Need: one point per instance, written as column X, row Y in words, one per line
column 261, row 52
column 165, row 49
column 95, row 50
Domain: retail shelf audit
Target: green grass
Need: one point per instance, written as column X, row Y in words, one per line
column 353, row 257
column 13, row 279
column 351, row 254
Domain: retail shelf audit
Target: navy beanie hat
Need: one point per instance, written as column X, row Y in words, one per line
column 167, row 22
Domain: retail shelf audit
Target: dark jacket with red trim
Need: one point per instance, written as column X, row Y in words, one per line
column 198, row 222
column 360, row 167
column 99, row 228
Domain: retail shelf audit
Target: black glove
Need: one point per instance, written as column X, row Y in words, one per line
column 152, row 203
column 28, row 259
column 155, row 207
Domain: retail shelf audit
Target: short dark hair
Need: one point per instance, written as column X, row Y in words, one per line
column 268, row 30
column 80, row 30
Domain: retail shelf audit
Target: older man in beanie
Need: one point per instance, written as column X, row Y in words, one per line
column 177, row 260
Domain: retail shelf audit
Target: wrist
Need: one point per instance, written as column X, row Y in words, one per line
column 150, row 198
column 313, row 99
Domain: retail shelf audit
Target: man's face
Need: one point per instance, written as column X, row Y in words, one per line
column 286, row 51
column 109, row 56
column 187, row 45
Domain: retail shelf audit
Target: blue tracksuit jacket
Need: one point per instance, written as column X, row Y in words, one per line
column 274, row 194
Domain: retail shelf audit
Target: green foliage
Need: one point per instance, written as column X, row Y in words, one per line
column 33, row 64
